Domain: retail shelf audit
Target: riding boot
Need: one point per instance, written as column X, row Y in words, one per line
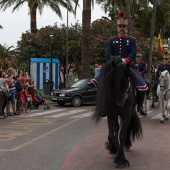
column 141, row 97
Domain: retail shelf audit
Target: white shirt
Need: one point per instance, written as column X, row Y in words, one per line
column 3, row 84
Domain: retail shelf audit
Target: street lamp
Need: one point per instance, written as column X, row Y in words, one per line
column 29, row 53
column 51, row 36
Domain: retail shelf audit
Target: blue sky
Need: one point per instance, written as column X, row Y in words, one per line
column 14, row 24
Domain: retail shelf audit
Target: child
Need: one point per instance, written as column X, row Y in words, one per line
column 36, row 100
column 28, row 98
column 43, row 100
column 21, row 100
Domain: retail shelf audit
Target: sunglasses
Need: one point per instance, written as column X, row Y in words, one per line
column 165, row 58
column 122, row 26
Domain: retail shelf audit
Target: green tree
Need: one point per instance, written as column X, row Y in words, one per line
column 74, row 51
column 39, row 43
column 39, row 4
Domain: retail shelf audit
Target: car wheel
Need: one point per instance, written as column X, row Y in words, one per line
column 76, row 101
column 61, row 103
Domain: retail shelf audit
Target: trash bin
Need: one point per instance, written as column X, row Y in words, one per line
column 48, row 87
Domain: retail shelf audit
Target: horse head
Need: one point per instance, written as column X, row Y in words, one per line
column 121, row 81
column 164, row 80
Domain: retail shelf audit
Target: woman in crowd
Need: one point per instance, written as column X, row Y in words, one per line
column 3, row 87
column 12, row 90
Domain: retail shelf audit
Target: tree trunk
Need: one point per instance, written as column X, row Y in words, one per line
column 76, row 62
column 33, row 15
column 86, row 20
column 129, row 17
column 151, row 39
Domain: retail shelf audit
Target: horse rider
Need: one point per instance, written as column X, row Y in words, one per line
column 141, row 67
column 162, row 67
column 125, row 47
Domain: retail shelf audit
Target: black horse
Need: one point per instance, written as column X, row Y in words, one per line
column 116, row 100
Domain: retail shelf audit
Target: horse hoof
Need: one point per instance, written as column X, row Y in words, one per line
column 161, row 121
column 122, row 166
column 166, row 118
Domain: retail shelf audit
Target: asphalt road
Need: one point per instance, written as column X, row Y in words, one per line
column 65, row 138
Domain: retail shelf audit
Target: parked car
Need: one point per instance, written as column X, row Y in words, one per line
column 77, row 94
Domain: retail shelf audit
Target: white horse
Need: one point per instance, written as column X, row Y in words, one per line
column 163, row 92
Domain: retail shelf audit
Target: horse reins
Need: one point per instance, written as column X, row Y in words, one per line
column 165, row 86
column 126, row 92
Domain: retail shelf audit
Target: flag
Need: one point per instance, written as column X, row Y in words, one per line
column 160, row 48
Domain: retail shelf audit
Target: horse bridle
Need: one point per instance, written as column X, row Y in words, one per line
column 127, row 92
column 165, row 85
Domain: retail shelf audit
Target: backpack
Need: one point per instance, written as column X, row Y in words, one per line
column 18, row 86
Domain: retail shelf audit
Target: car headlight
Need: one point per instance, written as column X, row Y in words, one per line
column 52, row 93
column 62, row 94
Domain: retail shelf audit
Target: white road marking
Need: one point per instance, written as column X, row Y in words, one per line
column 157, row 116
column 148, row 112
column 82, row 115
column 44, row 113
column 66, row 113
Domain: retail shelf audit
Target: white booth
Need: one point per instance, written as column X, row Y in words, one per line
column 40, row 71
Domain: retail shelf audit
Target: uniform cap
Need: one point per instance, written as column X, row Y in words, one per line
column 121, row 19
column 165, row 54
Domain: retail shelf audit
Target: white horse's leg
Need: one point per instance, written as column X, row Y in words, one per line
column 167, row 109
column 161, row 102
column 162, row 108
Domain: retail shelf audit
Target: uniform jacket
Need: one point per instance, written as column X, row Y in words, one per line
column 124, row 47
column 162, row 67
column 141, row 67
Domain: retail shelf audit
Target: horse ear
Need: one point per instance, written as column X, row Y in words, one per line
column 167, row 73
column 113, row 64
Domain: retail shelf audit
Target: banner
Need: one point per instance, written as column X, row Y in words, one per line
column 160, row 48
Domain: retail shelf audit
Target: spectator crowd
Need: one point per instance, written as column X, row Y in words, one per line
column 18, row 94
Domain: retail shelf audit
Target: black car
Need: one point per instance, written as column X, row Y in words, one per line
column 77, row 94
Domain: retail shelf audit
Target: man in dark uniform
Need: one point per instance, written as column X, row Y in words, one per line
column 125, row 47
column 140, row 65
column 141, row 68
column 162, row 67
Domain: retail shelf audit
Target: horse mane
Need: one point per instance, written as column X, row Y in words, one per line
column 111, row 87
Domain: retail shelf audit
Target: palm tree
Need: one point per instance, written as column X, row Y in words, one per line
column 39, row 4
column 86, row 20
column 7, row 57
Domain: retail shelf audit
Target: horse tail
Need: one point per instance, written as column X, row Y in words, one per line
column 134, row 130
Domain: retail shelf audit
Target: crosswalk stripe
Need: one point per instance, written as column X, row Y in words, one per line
column 44, row 113
column 148, row 112
column 66, row 113
column 82, row 115
column 157, row 116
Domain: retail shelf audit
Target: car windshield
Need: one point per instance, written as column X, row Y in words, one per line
column 80, row 84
